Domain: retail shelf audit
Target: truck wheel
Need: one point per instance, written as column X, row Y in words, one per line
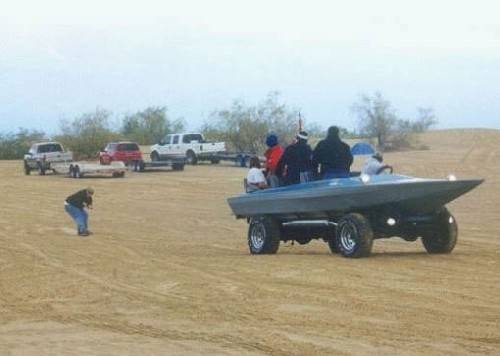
column 241, row 160
column 443, row 237
column 215, row 161
column 354, row 236
column 155, row 156
column 191, row 158
column 263, row 235
column 76, row 172
column 138, row 166
column 178, row 166
column 41, row 169
column 27, row 169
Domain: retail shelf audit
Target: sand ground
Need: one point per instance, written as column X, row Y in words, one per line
column 168, row 270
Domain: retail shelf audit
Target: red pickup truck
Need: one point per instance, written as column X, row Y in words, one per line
column 126, row 152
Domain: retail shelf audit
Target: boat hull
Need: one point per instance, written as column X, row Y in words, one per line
column 410, row 196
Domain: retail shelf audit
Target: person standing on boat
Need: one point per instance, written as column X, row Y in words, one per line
column 332, row 157
column 273, row 155
column 295, row 165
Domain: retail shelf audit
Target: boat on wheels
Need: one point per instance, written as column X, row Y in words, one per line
column 350, row 213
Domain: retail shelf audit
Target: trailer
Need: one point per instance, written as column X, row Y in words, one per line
column 240, row 159
column 177, row 164
column 81, row 169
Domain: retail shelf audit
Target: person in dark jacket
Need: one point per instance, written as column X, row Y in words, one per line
column 332, row 156
column 295, row 165
column 75, row 206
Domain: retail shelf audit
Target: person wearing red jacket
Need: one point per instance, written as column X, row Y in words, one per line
column 273, row 155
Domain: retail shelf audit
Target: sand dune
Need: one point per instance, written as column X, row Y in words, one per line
column 168, row 270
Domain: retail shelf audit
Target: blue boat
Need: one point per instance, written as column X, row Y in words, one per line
column 349, row 213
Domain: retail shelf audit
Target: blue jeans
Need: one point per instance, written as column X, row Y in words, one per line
column 306, row 177
column 273, row 181
column 80, row 217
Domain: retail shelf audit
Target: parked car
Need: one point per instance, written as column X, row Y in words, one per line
column 126, row 152
column 43, row 154
column 192, row 146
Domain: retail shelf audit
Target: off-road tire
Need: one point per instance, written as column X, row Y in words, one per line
column 263, row 235
column 191, row 158
column 354, row 236
column 215, row 161
column 443, row 238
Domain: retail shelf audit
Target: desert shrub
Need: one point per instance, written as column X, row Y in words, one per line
column 150, row 125
column 426, row 118
column 15, row 145
column 244, row 127
column 87, row 134
column 377, row 118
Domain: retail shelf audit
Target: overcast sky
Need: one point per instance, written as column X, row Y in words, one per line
column 59, row 59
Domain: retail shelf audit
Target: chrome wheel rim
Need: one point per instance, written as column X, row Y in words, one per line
column 348, row 233
column 258, row 236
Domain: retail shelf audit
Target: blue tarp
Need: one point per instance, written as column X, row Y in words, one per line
column 362, row 148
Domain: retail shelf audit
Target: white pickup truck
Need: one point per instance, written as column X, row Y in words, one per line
column 42, row 155
column 191, row 146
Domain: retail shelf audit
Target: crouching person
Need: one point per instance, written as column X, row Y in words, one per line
column 255, row 178
column 75, row 206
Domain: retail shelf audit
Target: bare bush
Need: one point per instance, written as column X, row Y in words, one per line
column 88, row 134
column 150, row 125
column 244, row 127
column 377, row 118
